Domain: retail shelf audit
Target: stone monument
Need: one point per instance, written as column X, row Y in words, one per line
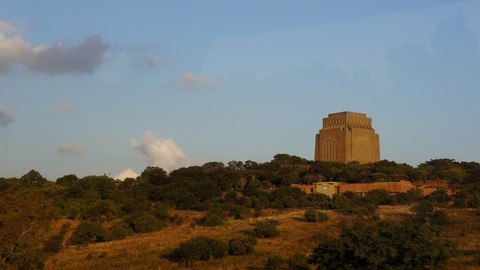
column 345, row 137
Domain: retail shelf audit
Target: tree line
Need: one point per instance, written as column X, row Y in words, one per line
column 109, row 209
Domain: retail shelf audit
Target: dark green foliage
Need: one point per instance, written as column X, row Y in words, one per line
column 265, row 229
column 143, row 222
column 411, row 196
column 467, row 198
column 199, row 248
column 212, row 220
column 315, row 216
column 53, row 244
column 379, row 197
column 287, row 197
column 67, row 180
column 241, row 246
column 131, row 205
column 439, row 196
column 273, row 263
column 383, row 245
column 88, row 232
column 352, row 204
column 119, row 230
column 160, row 211
column 33, row 178
column 298, row 262
column 102, row 210
column 319, row 200
column 155, row 175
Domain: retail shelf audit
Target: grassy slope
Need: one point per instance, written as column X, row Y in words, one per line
column 296, row 236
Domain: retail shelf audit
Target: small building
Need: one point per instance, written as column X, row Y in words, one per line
column 330, row 188
column 327, row 188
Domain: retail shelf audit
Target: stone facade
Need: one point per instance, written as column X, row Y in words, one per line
column 327, row 188
column 363, row 188
column 330, row 188
column 345, row 137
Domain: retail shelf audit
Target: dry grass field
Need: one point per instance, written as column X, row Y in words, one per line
column 143, row 251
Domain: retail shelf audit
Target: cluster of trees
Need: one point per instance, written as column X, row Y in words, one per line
column 110, row 209
column 205, row 248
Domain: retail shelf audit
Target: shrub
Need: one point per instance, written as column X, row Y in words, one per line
column 439, row 196
column 143, row 222
column 88, row 232
column 132, row 205
column 160, row 211
column 265, row 229
column 212, row 220
column 103, row 210
column 298, row 262
column 53, row 244
column 273, row 263
column 241, row 246
column 120, row 230
column 384, row 245
column 198, row 248
column 315, row 216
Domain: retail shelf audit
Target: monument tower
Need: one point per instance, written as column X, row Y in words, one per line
column 345, row 137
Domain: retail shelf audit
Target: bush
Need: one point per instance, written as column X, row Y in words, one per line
column 160, row 211
column 241, row 246
column 298, row 262
column 88, row 232
column 120, row 230
column 53, row 244
column 315, row 216
column 198, row 248
column 212, row 220
column 143, row 222
column 265, row 229
column 439, row 196
column 384, row 245
column 274, row 263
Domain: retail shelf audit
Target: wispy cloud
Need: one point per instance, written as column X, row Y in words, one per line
column 66, row 107
column 102, row 138
column 150, row 61
column 76, row 150
column 57, row 59
column 128, row 173
column 160, row 152
column 6, row 117
column 189, row 80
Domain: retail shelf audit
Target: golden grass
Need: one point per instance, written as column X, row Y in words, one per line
column 142, row 251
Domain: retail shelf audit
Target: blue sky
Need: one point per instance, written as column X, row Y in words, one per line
column 88, row 87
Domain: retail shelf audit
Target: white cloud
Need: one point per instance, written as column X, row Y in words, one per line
column 66, row 107
column 6, row 27
column 57, row 59
column 189, row 80
column 76, row 150
column 163, row 153
column 128, row 173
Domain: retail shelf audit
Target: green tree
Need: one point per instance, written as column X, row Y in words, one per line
column 33, row 178
column 88, row 232
column 198, row 248
column 383, row 245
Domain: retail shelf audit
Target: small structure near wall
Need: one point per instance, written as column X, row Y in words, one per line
column 327, row 188
column 330, row 188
